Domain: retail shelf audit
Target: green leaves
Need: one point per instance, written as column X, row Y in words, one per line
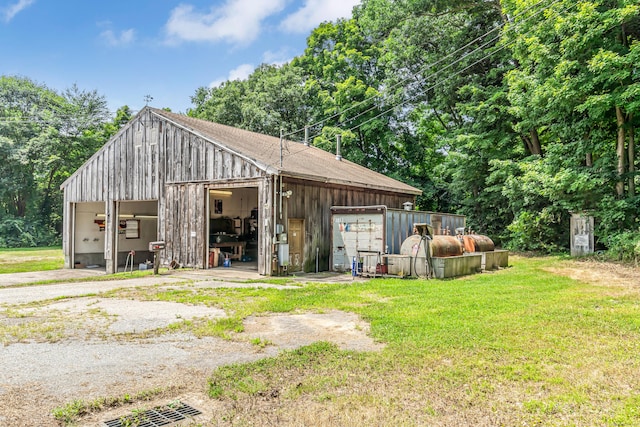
column 44, row 137
column 507, row 115
column 272, row 98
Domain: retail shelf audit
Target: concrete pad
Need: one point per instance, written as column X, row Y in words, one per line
column 132, row 316
column 11, row 279
column 346, row 330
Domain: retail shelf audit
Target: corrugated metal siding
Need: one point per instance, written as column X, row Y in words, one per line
column 400, row 225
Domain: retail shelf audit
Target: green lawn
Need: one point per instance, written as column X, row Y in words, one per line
column 519, row 347
column 30, row 259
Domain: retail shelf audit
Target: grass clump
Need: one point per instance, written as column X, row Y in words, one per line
column 260, row 342
column 221, row 328
column 49, row 331
column 627, row 412
column 253, row 378
column 78, row 408
column 281, row 281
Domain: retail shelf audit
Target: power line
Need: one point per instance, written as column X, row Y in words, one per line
column 56, row 115
column 437, row 72
column 444, row 69
column 455, row 74
column 426, row 67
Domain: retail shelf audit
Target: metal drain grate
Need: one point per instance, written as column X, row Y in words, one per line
column 156, row 417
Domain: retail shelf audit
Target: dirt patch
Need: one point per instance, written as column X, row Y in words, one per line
column 347, row 330
column 621, row 279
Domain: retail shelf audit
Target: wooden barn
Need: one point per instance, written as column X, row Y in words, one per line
column 205, row 188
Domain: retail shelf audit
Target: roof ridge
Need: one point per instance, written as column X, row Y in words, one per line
column 316, row 164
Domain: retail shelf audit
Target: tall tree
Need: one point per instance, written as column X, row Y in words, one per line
column 44, row 137
column 513, row 113
column 576, row 84
column 273, row 98
column 444, row 72
column 344, row 65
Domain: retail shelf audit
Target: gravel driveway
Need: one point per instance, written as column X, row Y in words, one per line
column 105, row 352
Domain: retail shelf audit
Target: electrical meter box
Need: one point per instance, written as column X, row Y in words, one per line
column 283, row 255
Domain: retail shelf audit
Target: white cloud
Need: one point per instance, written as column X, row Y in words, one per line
column 124, row 38
column 315, row 12
column 278, row 57
column 14, row 9
column 241, row 72
column 237, row 21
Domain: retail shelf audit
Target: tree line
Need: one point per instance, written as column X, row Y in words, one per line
column 44, row 137
column 513, row 113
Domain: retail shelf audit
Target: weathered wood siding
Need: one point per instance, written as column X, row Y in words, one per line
column 68, row 211
column 183, row 225
column 190, row 166
column 265, row 225
column 190, row 158
column 148, row 153
column 312, row 202
column 155, row 159
column 126, row 168
column 146, row 161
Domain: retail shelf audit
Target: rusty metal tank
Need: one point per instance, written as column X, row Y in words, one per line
column 443, row 246
column 478, row 243
column 440, row 246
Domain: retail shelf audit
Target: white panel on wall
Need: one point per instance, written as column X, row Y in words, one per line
column 88, row 237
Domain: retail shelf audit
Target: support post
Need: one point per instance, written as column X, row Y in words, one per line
column 156, row 264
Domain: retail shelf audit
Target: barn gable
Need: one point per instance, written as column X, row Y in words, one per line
column 149, row 152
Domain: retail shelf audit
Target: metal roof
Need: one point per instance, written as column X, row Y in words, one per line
column 299, row 160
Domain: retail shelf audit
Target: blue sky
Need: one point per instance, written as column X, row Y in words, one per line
column 163, row 48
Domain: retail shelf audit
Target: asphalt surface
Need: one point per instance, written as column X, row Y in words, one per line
column 100, row 346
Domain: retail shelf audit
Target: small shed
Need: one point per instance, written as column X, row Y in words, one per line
column 205, row 188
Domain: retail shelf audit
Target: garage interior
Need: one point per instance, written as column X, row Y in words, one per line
column 233, row 227
column 137, row 226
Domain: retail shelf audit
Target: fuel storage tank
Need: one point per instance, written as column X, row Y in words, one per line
column 438, row 246
column 477, row 243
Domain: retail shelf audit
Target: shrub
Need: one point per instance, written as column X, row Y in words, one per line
column 16, row 232
column 541, row 231
column 624, row 246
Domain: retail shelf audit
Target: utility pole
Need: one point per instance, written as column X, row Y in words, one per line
column 280, row 147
